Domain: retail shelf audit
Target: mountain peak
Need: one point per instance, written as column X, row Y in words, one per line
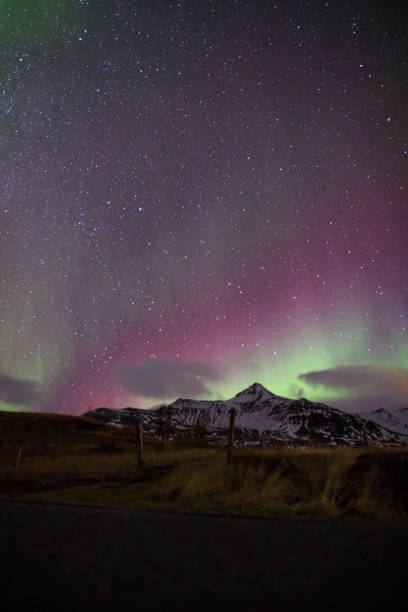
column 254, row 391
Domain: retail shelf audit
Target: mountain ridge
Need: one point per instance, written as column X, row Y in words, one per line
column 394, row 420
column 262, row 418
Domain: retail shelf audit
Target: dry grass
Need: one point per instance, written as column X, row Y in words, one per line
column 69, row 460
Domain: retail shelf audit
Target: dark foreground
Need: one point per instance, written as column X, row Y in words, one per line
column 76, row 558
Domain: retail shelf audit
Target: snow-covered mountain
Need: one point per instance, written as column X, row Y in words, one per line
column 261, row 418
column 394, row 420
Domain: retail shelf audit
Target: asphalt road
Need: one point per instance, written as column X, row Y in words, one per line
column 76, row 558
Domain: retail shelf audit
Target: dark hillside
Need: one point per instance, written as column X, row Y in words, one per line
column 40, row 432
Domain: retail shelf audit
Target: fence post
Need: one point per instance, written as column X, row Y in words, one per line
column 139, row 442
column 365, row 436
column 18, row 458
column 230, row 444
column 163, row 426
column 165, row 434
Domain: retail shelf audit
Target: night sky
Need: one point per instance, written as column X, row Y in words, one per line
column 198, row 195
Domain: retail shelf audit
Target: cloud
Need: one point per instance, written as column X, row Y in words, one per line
column 165, row 379
column 371, row 384
column 19, row 391
column 295, row 391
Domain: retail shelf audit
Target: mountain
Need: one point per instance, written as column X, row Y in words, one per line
column 394, row 420
column 262, row 418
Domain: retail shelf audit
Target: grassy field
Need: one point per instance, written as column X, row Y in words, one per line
column 72, row 460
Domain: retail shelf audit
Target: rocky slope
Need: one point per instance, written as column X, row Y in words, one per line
column 394, row 420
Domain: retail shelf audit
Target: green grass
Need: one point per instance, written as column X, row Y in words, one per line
column 67, row 460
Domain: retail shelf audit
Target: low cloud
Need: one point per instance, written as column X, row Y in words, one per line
column 295, row 391
column 19, row 391
column 364, row 385
column 165, row 379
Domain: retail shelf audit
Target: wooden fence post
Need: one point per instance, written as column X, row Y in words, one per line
column 230, row 444
column 139, row 442
column 165, row 434
column 18, row 458
column 365, row 436
column 163, row 425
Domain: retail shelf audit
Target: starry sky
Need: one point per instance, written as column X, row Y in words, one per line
column 201, row 194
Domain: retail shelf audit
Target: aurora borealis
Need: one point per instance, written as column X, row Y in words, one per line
column 196, row 195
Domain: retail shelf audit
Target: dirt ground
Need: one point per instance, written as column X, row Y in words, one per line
column 77, row 558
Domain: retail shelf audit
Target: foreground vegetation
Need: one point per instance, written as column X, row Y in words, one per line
column 71, row 460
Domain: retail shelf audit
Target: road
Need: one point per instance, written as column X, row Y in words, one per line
column 75, row 558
